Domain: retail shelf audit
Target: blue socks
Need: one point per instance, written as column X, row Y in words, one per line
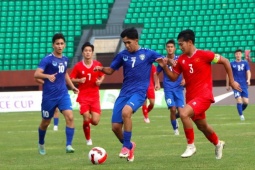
column 244, row 106
column 174, row 124
column 41, row 136
column 127, row 139
column 239, row 108
column 69, row 135
column 56, row 121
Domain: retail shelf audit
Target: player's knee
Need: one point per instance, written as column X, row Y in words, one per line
column 94, row 122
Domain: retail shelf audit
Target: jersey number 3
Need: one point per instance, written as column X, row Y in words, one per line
column 191, row 68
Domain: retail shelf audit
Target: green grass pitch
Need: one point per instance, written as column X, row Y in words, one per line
column 157, row 147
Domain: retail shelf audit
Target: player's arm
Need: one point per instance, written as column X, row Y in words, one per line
column 105, row 70
column 221, row 60
column 77, row 80
column 40, row 75
column 248, row 75
column 70, row 83
column 163, row 63
column 227, row 83
column 156, row 81
column 40, row 81
column 100, row 80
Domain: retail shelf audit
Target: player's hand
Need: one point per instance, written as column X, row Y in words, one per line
column 52, row 77
column 98, row 68
column 171, row 62
column 228, row 88
column 161, row 61
column 98, row 82
column 248, row 82
column 75, row 90
column 236, row 86
column 82, row 80
column 183, row 82
column 157, row 87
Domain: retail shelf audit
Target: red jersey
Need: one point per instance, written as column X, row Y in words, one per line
column 152, row 83
column 197, row 73
column 87, row 90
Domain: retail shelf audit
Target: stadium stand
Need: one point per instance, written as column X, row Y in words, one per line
column 27, row 27
column 220, row 26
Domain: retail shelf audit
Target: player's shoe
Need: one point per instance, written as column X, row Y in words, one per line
column 124, row 152
column 242, row 118
column 69, row 149
column 55, row 128
column 89, row 142
column 218, row 150
column 41, row 149
column 131, row 155
column 176, row 132
column 191, row 150
column 146, row 120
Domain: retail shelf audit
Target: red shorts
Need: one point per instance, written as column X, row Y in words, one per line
column 151, row 93
column 91, row 106
column 199, row 106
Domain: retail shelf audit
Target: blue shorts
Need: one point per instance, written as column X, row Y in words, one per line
column 135, row 102
column 49, row 106
column 244, row 93
column 174, row 98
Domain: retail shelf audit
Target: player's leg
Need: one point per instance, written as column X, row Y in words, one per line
column 86, row 126
column 56, row 119
column 245, row 98
column 179, row 103
column 145, row 111
column 239, row 104
column 65, row 106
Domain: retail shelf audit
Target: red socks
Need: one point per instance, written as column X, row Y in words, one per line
column 213, row 138
column 189, row 133
column 145, row 111
column 86, row 129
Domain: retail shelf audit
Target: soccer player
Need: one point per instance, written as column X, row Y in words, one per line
column 52, row 69
column 173, row 89
column 154, row 82
column 195, row 65
column 136, row 62
column 242, row 74
column 56, row 112
column 88, row 82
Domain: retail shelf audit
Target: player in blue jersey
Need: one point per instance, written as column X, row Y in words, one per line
column 137, row 63
column 173, row 89
column 242, row 75
column 52, row 69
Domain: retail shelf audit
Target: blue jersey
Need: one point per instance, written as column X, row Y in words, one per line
column 51, row 65
column 168, row 84
column 239, row 70
column 136, row 70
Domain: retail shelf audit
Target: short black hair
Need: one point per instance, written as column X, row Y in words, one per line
column 130, row 33
column 187, row 35
column 58, row 36
column 87, row 44
column 170, row 42
column 238, row 50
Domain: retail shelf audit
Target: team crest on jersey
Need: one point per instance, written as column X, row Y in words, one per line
column 54, row 63
column 65, row 63
column 183, row 61
column 83, row 72
column 234, row 66
column 142, row 56
column 197, row 60
column 125, row 58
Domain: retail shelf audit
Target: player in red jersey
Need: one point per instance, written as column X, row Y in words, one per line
column 154, row 82
column 88, row 82
column 195, row 65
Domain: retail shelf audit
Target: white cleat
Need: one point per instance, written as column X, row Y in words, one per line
column 55, row 128
column 176, row 132
column 218, row 150
column 89, row 142
column 242, row 118
column 191, row 150
column 146, row 120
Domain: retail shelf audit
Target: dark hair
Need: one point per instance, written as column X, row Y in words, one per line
column 170, row 42
column 238, row 50
column 187, row 35
column 87, row 44
column 130, row 33
column 58, row 36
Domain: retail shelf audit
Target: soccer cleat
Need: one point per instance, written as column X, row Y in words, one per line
column 55, row 128
column 176, row 132
column 242, row 118
column 41, row 149
column 89, row 142
column 191, row 150
column 69, row 149
column 146, row 120
column 124, row 152
column 131, row 155
column 218, row 150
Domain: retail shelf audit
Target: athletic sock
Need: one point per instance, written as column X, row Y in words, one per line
column 244, row 106
column 127, row 139
column 145, row 111
column 174, row 124
column 86, row 129
column 41, row 136
column 69, row 135
column 239, row 108
column 56, row 120
column 189, row 133
column 150, row 107
column 213, row 138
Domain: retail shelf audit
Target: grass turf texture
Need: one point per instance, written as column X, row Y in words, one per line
column 157, row 147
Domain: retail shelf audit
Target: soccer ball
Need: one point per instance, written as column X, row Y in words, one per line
column 97, row 155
